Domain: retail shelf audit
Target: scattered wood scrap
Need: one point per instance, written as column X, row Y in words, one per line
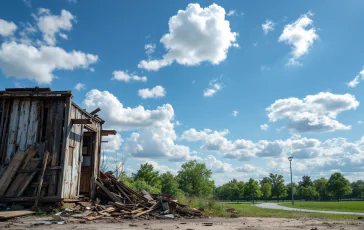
column 11, row 214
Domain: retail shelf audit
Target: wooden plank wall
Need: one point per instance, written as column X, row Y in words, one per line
column 22, row 124
column 22, row 127
column 73, row 160
column 74, row 156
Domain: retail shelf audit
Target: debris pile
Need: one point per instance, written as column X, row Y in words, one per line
column 115, row 200
column 125, row 202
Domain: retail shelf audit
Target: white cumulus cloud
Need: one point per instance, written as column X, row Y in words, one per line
column 217, row 166
column 79, row 86
column 268, row 26
column 156, row 92
column 126, row 77
column 113, row 143
column 195, row 35
column 7, row 28
column 153, row 133
column 314, row 114
column 301, row 35
column 52, row 25
column 37, row 64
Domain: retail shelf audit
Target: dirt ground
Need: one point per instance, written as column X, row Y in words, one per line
column 191, row 224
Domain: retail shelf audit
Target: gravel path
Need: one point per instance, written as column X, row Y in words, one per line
column 276, row 206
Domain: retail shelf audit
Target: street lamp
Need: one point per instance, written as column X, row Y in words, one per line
column 290, row 167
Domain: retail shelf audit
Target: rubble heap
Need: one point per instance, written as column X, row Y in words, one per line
column 117, row 199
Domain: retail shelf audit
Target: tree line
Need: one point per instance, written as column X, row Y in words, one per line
column 274, row 187
column 194, row 179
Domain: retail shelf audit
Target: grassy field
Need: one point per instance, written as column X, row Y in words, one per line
column 343, row 206
column 246, row 209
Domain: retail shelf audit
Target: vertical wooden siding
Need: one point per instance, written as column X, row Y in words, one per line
column 22, row 123
column 74, row 156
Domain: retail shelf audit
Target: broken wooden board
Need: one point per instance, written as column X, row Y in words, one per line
column 112, row 196
column 30, row 155
column 22, row 180
column 10, row 172
column 11, row 214
column 41, row 178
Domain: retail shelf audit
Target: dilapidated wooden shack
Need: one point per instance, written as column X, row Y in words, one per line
column 39, row 125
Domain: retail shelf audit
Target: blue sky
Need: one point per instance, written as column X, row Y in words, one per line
column 169, row 76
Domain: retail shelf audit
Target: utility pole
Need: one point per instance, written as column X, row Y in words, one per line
column 290, row 167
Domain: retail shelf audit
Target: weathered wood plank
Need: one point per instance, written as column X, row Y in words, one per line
column 33, row 125
column 20, row 181
column 64, row 151
column 10, row 214
column 23, row 124
column 78, row 130
column 108, row 132
column 13, row 130
column 69, row 154
column 81, row 121
column 112, row 196
column 30, row 155
column 52, row 188
column 4, row 133
column 2, row 115
column 95, row 111
column 45, row 159
column 10, row 172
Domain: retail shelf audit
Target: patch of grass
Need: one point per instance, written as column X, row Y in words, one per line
column 342, row 206
column 210, row 206
column 248, row 210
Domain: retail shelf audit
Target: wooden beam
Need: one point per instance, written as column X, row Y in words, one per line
column 108, row 132
column 46, row 199
column 10, row 172
column 37, row 89
column 38, row 169
column 95, row 111
column 41, row 178
column 111, row 195
column 90, row 128
column 11, row 214
column 81, row 121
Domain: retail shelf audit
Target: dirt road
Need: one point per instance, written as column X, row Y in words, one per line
column 197, row 224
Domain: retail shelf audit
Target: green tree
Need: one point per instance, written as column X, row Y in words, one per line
column 289, row 189
column 278, row 187
column 338, row 185
column 146, row 173
column 321, row 188
column 140, row 185
column 307, row 192
column 169, row 184
column 306, row 181
column 361, row 190
column 233, row 190
column 356, row 187
column 194, row 179
column 252, row 189
column 266, row 189
column 264, row 180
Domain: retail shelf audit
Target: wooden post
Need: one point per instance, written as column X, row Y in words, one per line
column 40, row 183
